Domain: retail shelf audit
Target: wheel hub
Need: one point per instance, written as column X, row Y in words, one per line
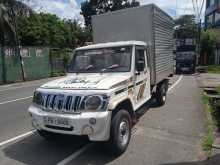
column 123, row 132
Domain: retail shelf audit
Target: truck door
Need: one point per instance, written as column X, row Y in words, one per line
column 142, row 76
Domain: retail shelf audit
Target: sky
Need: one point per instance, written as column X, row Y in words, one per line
column 70, row 9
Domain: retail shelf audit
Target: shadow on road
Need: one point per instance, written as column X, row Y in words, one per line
column 215, row 160
column 36, row 151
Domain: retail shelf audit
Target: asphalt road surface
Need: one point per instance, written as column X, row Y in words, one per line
column 163, row 136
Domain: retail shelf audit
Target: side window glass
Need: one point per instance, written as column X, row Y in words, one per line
column 140, row 57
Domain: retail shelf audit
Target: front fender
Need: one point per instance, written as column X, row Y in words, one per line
column 114, row 102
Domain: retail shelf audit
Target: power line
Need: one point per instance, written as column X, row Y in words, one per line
column 197, row 7
column 176, row 7
column 200, row 12
column 194, row 7
column 186, row 8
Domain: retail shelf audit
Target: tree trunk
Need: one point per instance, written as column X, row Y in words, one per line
column 17, row 44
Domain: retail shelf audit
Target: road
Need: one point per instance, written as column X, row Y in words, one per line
column 163, row 136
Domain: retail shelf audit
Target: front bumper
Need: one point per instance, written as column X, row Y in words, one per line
column 100, row 131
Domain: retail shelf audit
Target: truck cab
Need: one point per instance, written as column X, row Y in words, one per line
column 185, row 62
column 98, row 98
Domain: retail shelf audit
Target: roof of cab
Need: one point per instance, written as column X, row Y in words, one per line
column 112, row 44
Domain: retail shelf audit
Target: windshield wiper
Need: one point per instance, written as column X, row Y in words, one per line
column 114, row 66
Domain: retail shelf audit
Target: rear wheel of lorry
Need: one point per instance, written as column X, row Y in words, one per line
column 120, row 133
column 161, row 93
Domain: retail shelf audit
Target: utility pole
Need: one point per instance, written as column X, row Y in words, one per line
column 199, row 38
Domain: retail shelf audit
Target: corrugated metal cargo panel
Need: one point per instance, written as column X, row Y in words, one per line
column 123, row 25
column 163, row 38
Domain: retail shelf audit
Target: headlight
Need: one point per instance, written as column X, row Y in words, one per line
column 95, row 102
column 38, row 98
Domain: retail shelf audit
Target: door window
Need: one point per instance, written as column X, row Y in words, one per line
column 140, row 57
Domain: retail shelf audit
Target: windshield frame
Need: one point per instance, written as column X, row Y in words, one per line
column 107, row 70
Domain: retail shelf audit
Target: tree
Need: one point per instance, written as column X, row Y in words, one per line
column 208, row 43
column 94, row 7
column 48, row 30
column 185, row 27
column 9, row 9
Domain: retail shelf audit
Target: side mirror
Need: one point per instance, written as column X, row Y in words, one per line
column 140, row 66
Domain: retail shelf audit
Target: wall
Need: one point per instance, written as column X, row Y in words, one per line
column 36, row 64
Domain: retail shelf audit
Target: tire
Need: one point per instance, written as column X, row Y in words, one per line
column 49, row 136
column 161, row 93
column 120, row 133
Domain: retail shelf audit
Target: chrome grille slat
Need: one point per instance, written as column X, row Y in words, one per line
column 73, row 103
column 58, row 103
column 76, row 102
column 68, row 103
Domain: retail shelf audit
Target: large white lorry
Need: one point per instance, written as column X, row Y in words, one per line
column 130, row 61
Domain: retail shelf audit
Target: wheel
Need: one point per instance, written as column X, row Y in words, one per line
column 120, row 133
column 49, row 136
column 161, row 93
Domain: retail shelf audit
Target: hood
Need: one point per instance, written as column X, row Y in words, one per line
column 87, row 82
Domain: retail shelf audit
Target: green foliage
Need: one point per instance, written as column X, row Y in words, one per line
column 208, row 42
column 215, row 69
column 186, row 27
column 8, row 10
column 94, row 7
column 218, row 88
column 205, row 99
column 209, row 138
column 207, row 142
column 212, row 120
column 49, row 30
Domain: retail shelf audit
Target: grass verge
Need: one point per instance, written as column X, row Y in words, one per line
column 209, row 138
column 213, row 69
column 218, row 89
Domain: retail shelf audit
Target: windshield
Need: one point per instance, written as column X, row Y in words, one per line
column 185, row 56
column 117, row 59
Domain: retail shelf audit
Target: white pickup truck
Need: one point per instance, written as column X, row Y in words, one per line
column 107, row 82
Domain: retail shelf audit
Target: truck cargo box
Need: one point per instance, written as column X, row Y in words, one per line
column 146, row 23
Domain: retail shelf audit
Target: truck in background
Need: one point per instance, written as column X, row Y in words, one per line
column 130, row 61
column 185, row 55
column 185, row 62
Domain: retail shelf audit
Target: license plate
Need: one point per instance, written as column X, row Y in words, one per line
column 53, row 121
column 185, row 69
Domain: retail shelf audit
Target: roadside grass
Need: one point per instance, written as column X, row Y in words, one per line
column 209, row 137
column 212, row 111
column 213, row 69
column 218, row 89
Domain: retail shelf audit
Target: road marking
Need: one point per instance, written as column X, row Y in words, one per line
column 10, row 101
column 176, row 83
column 8, row 89
column 75, row 154
column 17, row 137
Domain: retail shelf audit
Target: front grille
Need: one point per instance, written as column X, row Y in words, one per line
column 60, row 103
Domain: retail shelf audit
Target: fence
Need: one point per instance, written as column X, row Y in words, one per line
column 39, row 62
column 1, row 72
column 59, row 60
